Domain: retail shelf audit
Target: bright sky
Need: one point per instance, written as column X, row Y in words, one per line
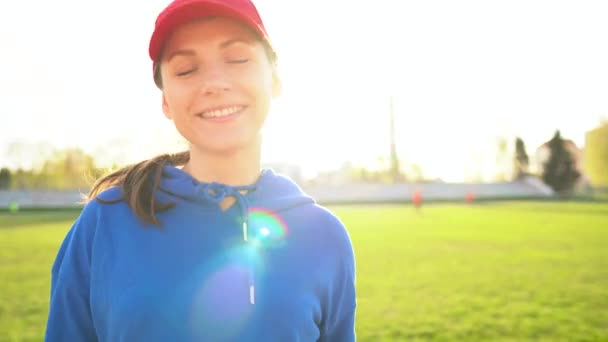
column 76, row 73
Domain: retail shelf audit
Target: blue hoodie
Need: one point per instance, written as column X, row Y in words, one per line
column 275, row 266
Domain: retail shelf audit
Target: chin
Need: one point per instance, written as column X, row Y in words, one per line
column 224, row 147
column 223, row 141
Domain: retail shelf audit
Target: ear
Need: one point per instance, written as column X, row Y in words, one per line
column 166, row 108
column 277, row 85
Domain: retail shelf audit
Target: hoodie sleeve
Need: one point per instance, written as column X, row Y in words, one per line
column 339, row 322
column 69, row 312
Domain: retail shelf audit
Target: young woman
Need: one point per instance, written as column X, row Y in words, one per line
column 204, row 245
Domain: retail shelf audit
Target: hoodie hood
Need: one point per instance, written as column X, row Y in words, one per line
column 271, row 191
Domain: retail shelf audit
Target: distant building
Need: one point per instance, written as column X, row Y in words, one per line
column 596, row 155
column 340, row 175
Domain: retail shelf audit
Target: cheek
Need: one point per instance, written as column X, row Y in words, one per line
column 177, row 99
column 261, row 88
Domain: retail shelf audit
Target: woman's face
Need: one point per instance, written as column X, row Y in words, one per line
column 217, row 84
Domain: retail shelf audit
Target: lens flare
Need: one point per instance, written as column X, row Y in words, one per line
column 267, row 228
column 220, row 307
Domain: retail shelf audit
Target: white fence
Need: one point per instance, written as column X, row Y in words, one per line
column 346, row 193
column 527, row 188
column 41, row 199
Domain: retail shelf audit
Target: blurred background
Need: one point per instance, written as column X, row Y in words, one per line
column 475, row 133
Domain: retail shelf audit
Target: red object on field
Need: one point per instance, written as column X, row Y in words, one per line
column 470, row 197
column 417, row 198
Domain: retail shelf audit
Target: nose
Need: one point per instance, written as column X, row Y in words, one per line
column 214, row 81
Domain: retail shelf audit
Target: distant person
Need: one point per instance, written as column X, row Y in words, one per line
column 204, row 245
column 417, row 200
column 470, row 197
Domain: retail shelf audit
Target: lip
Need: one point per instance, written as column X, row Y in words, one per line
column 222, row 118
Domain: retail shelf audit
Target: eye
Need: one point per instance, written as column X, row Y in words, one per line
column 185, row 73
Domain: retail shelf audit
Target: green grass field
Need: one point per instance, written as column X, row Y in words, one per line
column 507, row 271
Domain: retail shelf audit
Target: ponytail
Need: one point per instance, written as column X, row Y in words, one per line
column 139, row 183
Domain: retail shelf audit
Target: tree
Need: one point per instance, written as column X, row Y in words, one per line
column 69, row 168
column 5, row 179
column 559, row 171
column 395, row 172
column 521, row 158
column 596, row 155
column 22, row 179
column 502, row 159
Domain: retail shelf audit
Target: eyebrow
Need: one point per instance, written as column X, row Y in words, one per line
column 180, row 52
column 190, row 52
column 234, row 41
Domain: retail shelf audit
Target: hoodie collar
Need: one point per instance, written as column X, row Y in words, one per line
column 271, row 191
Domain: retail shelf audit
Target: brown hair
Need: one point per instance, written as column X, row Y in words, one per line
column 139, row 182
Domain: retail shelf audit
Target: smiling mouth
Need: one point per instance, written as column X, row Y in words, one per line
column 221, row 113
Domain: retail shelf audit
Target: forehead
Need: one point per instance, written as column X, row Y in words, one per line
column 209, row 30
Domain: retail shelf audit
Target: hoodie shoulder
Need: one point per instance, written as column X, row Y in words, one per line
column 339, row 300
column 278, row 192
column 111, row 210
column 279, row 181
column 331, row 225
column 94, row 209
column 338, row 294
column 111, row 194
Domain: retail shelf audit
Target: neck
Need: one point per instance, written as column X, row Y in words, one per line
column 241, row 167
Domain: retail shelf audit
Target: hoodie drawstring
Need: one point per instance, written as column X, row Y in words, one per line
column 216, row 192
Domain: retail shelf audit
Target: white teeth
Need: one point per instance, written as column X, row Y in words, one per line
column 221, row 112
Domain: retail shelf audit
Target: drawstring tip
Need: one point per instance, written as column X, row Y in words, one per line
column 245, row 233
column 251, row 287
column 252, row 294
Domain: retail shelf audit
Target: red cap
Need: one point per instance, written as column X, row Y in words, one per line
column 182, row 11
